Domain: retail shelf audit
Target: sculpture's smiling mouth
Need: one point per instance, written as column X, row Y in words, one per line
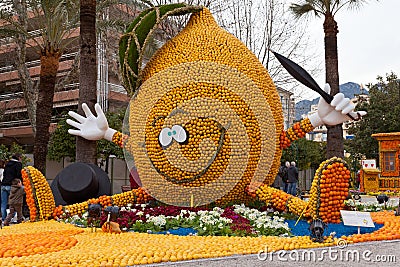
column 178, row 133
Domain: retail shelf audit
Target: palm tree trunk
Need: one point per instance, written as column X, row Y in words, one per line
column 49, row 62
column 27, row 85
column 334, row 145
column 86, row 150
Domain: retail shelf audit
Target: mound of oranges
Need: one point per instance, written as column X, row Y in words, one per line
column 39, row 196
column 329, row 189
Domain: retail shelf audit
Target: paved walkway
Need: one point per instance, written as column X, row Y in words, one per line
column 383, row 253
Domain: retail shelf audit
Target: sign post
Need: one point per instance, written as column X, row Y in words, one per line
column 357, row 218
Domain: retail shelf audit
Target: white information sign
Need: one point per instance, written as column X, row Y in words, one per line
column 357, row 218
column 369, row 163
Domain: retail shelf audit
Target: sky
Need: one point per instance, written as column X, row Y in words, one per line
column 368, row 42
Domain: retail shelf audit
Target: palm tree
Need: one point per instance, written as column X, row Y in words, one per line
column 55, row 21
column 85, row 149
column 328, row 9
column 54, row 25
column 59, row 17
column 92, row 32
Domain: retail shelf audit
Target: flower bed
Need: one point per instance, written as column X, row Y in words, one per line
column 236, row 220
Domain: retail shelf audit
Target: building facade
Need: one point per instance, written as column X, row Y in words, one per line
column 15, row 126
column 288, row 107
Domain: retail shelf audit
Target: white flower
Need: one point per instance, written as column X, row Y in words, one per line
column 143, row 206
column 123, row 209
column 140, row 213
column 158, row 220
column 252, row 216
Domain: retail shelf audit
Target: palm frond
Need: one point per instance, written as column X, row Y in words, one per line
column 304, row 9
column 105, row 25
column 60, row 18
column 138, row 4
column 350, row 4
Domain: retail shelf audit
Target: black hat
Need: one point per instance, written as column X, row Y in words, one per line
column 79, row 182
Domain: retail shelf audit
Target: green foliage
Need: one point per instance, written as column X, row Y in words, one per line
column 321, row 7
column 307, row 154
column 6, row 153
column 62, row 144
column 138, row 34
column 383, row 116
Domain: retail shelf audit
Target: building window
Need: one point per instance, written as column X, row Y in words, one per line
column 389, row 161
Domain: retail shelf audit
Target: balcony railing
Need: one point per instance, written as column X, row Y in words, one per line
column 11, row 96
column 35, row 63
column 16, row 123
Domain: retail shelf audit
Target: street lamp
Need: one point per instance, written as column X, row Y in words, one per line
column 112, row 157
column 317, row 228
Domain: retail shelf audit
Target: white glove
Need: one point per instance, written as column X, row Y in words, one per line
column 336, row 112
column 92, row 127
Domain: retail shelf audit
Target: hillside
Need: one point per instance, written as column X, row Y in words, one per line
column 348, row 89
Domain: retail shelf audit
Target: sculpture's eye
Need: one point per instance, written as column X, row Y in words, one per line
column 179, row 134
column 165, row 137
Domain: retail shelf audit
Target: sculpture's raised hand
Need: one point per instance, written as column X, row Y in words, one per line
column 90, row 127
column 335, row 112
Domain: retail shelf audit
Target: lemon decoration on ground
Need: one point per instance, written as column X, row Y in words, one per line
column 82, row 247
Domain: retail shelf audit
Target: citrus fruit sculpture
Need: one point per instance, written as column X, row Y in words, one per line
column 329, row 189
column 205, row 122
column 209, row 118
